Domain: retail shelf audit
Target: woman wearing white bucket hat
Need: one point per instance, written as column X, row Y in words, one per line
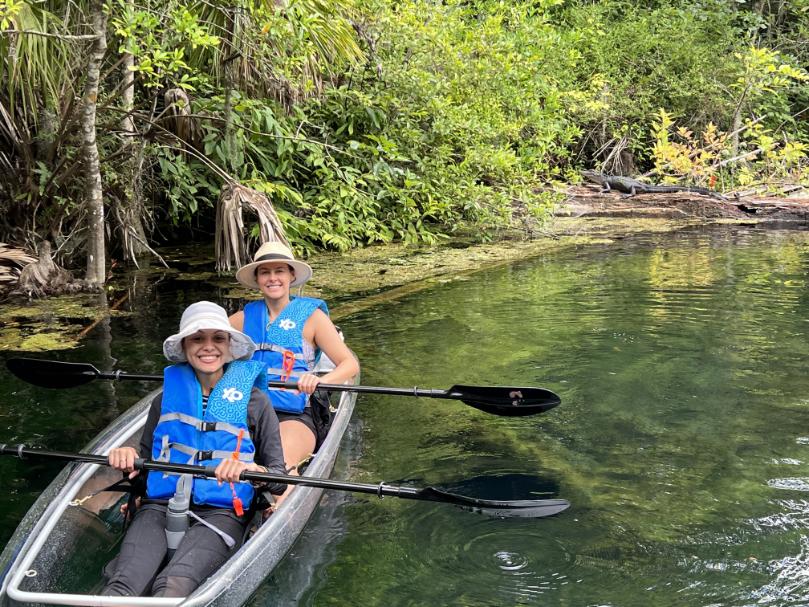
column 290, row 333
column 210, row 412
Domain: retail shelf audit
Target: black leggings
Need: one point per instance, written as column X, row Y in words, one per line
column 136, row 571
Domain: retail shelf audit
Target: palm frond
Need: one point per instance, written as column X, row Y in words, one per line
column 316, row 39
column 12, row 260
column 37, row 67
column 231, row 241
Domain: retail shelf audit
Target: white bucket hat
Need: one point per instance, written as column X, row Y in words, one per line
column 206, row 315
column 273, row 251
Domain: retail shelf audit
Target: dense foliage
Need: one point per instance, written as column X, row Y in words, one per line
column 390, row 119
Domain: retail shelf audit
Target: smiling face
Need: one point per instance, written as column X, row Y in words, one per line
column 274, row 278
column 207, row 351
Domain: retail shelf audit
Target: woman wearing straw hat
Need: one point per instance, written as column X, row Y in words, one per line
column 290, row 333
column 210, row 412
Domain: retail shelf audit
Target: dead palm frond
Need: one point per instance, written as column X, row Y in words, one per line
column 12, row 260
column 231, row 242
column 177, row 119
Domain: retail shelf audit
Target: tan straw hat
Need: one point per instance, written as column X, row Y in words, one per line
column 206, row 315
column 273, row 251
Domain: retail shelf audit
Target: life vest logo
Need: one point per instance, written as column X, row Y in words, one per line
column 287, row 324
column 232, row 395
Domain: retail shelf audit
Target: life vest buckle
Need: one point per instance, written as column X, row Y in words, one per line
column 204, row 455
column 208, row 426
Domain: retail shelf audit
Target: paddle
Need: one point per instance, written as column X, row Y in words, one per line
column 495, row 508
column 497, row 400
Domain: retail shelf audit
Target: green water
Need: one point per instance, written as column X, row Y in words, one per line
column 682, row 440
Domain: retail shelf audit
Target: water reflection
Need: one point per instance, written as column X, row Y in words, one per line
column 681, row 366
column 681, row 441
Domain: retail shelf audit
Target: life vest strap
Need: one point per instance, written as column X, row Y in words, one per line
column 200, row 455
column 229, row 541
column 280, row 349
column 282, row 373
column 201, row 424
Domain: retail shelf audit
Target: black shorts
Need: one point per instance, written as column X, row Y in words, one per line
column 305, row 418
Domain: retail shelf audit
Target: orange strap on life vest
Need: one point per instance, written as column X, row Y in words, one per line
column 287, row 365
column 238, row 507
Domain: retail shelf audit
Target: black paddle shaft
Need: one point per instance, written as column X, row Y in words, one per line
column 495, row 508
column 509, row 401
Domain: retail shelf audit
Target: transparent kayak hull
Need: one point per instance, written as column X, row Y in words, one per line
column 57, row 552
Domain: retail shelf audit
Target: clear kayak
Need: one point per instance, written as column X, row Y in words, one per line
column 57, row 552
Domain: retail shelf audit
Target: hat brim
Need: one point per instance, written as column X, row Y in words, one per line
column 241, row 346
column 246, row 275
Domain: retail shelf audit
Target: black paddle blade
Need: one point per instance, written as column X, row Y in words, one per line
column 498, row 508
column 506, row 400
column 51, row 373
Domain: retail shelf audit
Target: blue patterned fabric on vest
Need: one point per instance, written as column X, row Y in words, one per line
column 184, row 435
column 284, row 334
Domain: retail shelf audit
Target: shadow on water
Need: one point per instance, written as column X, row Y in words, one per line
column 505, row 487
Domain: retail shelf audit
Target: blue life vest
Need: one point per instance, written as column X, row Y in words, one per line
column 183, row 435
column 284, row 334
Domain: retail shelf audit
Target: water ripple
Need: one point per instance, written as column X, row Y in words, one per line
column 510, row 566
column 510, row 561
column 795, row 516
column 791, row 579
column 495, row 562
column 789, row 484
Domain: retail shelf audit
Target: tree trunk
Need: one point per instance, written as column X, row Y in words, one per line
column 128, row 94
column 130, row 217
column 96, row 257
column 736, row 127
column 229, row 50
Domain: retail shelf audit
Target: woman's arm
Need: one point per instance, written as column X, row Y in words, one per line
column 320, row 331
column 123, row 458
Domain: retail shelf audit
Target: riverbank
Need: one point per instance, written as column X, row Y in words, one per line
column 363, row 278
column 360, row 279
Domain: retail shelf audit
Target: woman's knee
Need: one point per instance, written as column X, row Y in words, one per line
column 174, row 586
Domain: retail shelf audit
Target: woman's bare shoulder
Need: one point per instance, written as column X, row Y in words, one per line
column 237, row 320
